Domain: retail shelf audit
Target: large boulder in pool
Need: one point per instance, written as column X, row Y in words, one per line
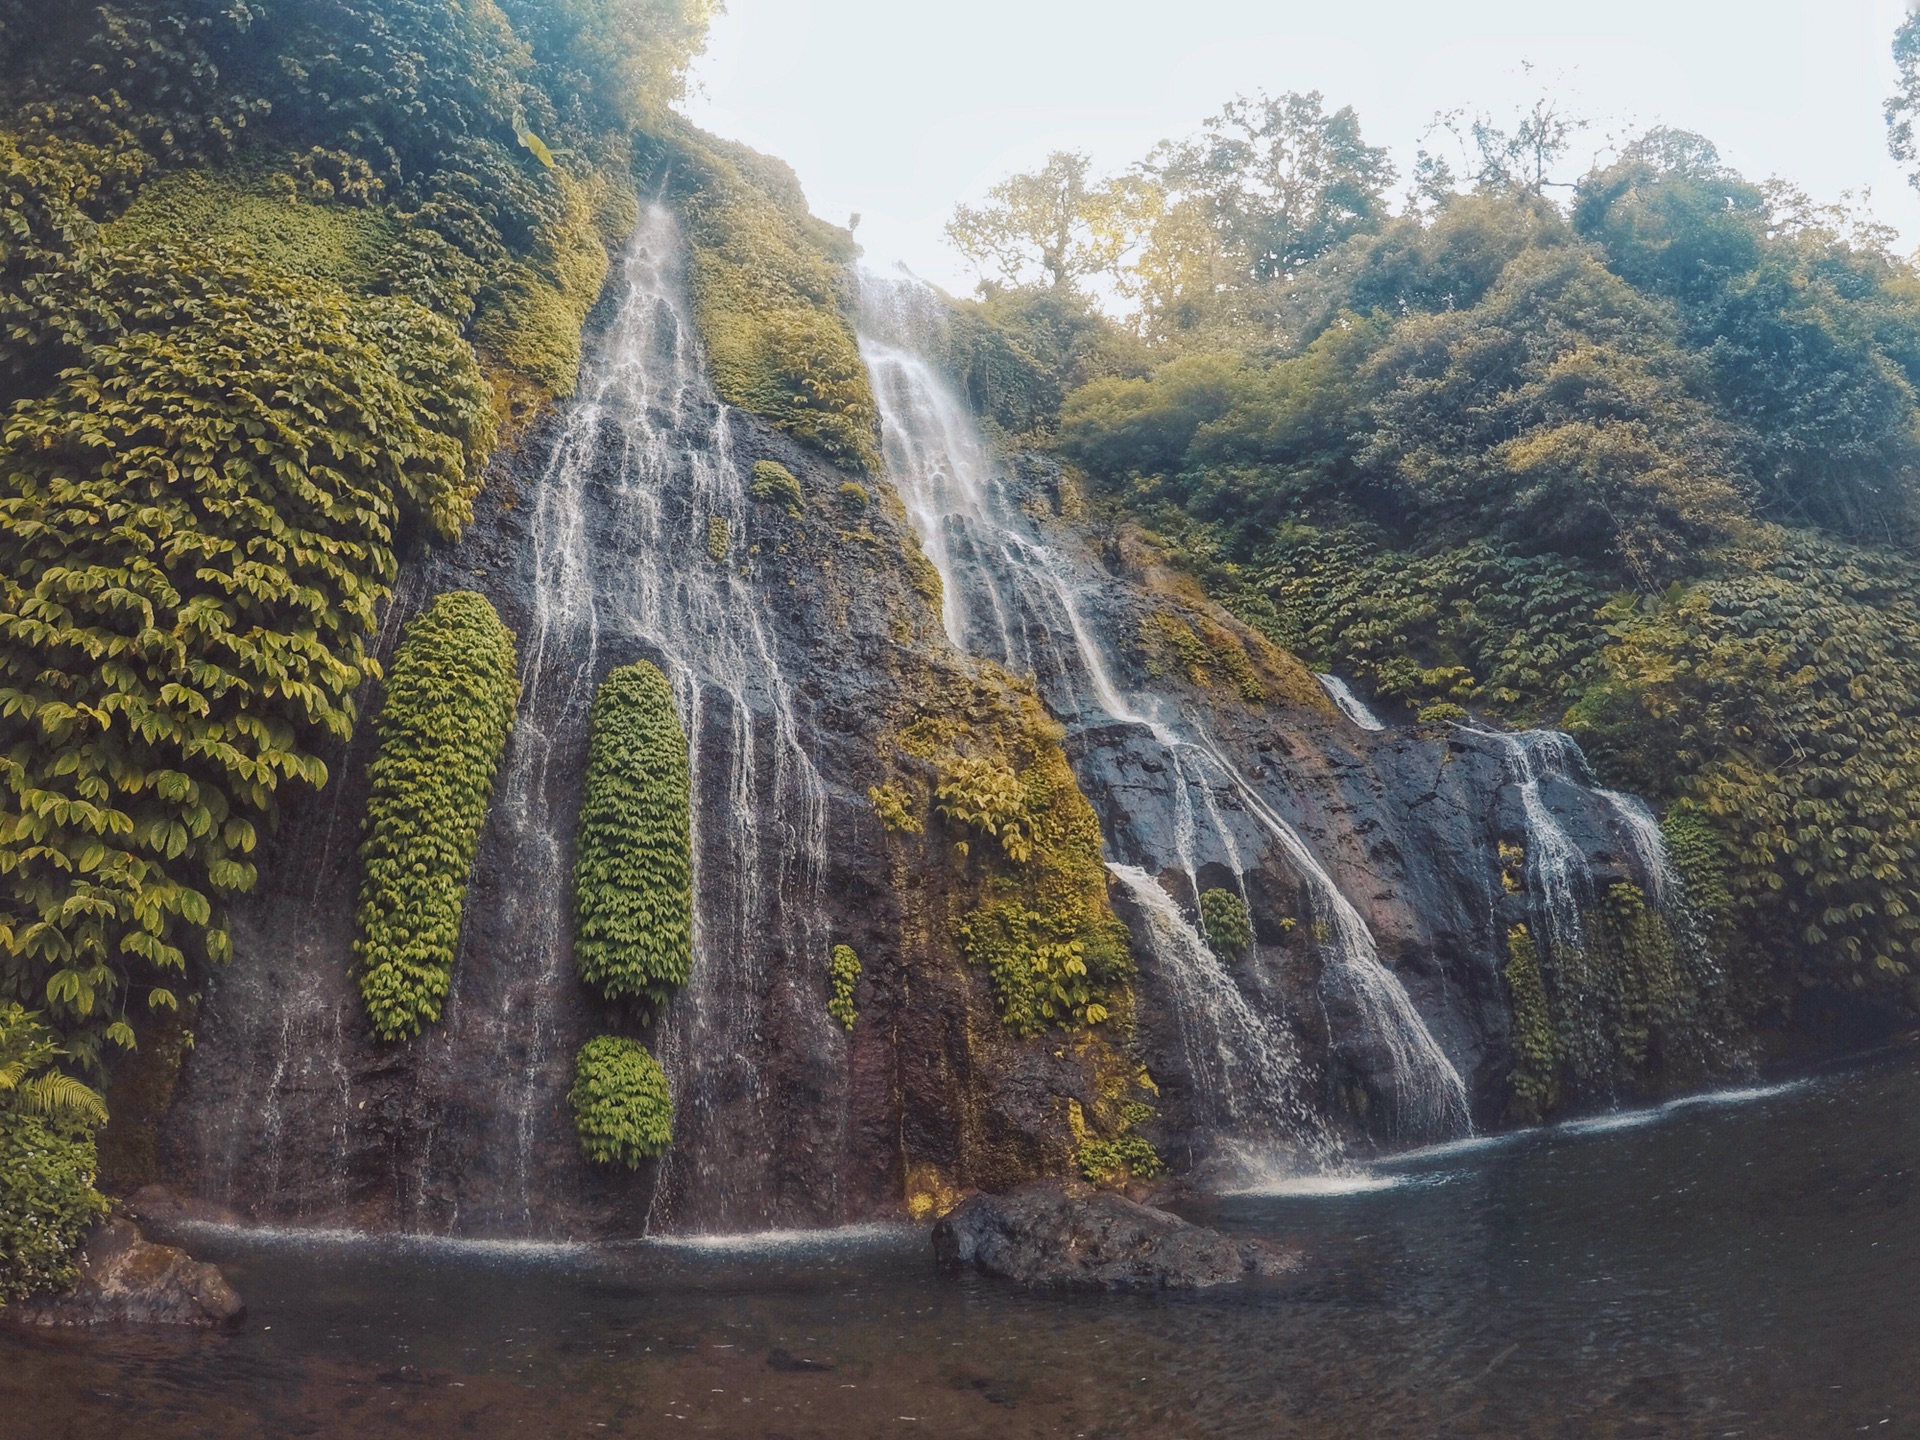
column 126, row 1280
column 1057, row 1235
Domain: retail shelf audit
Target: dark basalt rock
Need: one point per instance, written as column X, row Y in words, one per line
column 126, row 1280
column 1057, row 1235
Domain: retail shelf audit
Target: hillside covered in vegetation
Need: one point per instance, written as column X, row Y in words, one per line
column 1637, row 456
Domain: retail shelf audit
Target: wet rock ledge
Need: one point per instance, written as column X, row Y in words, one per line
column 1059, row 1235
column 127, row 1280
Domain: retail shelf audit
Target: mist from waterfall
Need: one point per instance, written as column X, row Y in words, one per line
column 1014, row 598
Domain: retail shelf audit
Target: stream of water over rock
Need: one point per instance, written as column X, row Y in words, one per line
column 1021, row 599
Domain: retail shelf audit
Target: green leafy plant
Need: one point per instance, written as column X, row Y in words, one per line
column 854, row 498
column 893, row 804
column 843, row 970
column 449, row 704
column 719, row 536
column 774, row 484
column 47, row 1160
column 1101, row 1160
column 1536, row 1065
column 633, row 868
column 1224, row 918
column 622, row 1107
column 983, row 794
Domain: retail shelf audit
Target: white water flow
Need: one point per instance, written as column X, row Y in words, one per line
column 1015, row 599
column 1649, row 844
column 1556, row 867
column 1246, row 1073
column 623, row 572
column 1350, row 704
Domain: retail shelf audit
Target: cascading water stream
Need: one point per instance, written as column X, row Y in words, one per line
column 1556, row 867
column 1350, row 704
column 1012, row 598
column 646, row 451
column 1247, row 1076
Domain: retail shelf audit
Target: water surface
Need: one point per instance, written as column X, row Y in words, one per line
column 1744, row 1265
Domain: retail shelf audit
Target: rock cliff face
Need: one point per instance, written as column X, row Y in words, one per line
column 1371, row 1008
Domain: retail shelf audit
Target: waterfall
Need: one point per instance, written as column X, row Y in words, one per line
column 1350, row 704
column 1649, row 845
column 1247, row 1079
column 1557, row 876
column 1012, row 597
column 641, row 473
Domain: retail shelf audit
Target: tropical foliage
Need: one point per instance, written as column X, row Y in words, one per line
column 1645, row 464
column 633, row 867
column 621, row 1105
column 449, row 704
column 47, row 1162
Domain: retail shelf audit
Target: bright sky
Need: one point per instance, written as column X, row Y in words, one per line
column 898, row 109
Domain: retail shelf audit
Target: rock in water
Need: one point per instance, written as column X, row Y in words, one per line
column 1052, row 1235
column 126, row 1280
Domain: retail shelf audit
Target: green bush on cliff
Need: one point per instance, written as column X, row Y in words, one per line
column 633, row 868
column 775, row 484
column 843, row 972
column 622, row 1107
column 1224, row 918
column 47, row 1161
column 1536, row 1063
column 449, row 705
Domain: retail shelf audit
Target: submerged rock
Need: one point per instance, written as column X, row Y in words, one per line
column 1054, row 1235
column 126, row 1280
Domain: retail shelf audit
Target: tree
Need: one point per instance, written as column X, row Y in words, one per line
column 1280, row 181
column 1052, row 221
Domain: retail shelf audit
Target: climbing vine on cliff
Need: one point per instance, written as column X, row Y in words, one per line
column 449, row 704
column 633, row 868
column 47, row 1160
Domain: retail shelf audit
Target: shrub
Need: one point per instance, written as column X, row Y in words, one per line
column 854, row 498
column 621, row 1104
column 719, row 536
column 1224, row 918
column 775, row 484
column 47, row 1161
column 449, row 705
column 983, row 794
column 842, row 971
column 633, row 868
column 1536, row 1065
column 1100, row 1160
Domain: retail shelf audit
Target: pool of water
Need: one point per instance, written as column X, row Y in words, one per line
column 1745, row 1264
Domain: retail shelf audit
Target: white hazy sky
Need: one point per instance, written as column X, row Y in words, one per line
column 898, row 109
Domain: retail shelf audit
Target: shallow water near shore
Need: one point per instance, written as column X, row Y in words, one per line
column 1736, row 1265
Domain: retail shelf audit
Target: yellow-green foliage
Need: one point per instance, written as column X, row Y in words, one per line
column 983, row 794
column 1171, row 643
column 1536, row 1063
column 767, row 281
column 621, row 1105
column 1652, row 987
column 719, row 536
column 449, row 704
column 633, row 868
column 893, row 804
column 775, row 484
column 340, row 244
column 1224, row 918
column 47, row 1161
column 197, row 521
column 532, row 313
column 854, row 498
column 1054, row 952
column 843, row 970
column 1124, row 1155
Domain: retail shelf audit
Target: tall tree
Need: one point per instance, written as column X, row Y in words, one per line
column 1053, row 225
